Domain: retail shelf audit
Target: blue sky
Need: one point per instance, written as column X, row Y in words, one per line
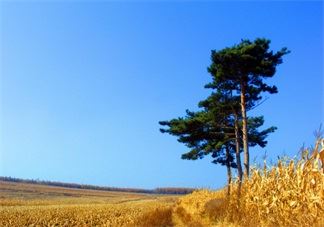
column 84, row 84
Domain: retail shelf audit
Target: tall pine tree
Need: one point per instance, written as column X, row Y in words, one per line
column 213, row 131
column 221, row 128
column 243, row 68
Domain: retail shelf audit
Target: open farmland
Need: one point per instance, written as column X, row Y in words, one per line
column 288, row 193
column 29, row 204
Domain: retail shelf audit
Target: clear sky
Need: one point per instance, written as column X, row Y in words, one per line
column 84, row 84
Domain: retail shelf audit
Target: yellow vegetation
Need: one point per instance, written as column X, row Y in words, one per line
column 77, row 215
column 291, row 193
column 39, row 205
column 288, row 194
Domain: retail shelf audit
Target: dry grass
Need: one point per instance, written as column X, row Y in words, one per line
column 24, row 193
column 195, row 209
column 77, row 215
column 160, row 216
column 39, row 205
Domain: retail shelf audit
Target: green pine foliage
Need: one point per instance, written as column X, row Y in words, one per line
column 221, row 127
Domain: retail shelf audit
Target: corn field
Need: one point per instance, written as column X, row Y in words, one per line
column 290, row 193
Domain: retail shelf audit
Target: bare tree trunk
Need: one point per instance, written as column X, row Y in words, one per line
column 244, row 130
column 237, row 151
column 229, row 173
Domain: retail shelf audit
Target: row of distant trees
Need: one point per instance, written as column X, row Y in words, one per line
column 93, row 187
column 221, row 127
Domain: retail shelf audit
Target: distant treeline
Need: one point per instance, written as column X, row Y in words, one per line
column 102, row 188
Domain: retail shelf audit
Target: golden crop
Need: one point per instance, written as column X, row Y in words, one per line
column 290, row 193
column 76, row 215
column 37, row 205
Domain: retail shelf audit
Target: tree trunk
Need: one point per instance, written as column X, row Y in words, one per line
column 237, row 150
column 229, row 173
column 244, row 130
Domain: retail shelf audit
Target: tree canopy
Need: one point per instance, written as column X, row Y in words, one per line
column 243, row 69
column 221, row 127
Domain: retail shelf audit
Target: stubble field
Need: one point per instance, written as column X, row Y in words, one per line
column 39, row 205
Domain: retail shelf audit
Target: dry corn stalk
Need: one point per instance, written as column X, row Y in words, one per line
column 290, row 193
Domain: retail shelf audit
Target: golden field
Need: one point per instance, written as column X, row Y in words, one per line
column 289, row 193
column 39, row 205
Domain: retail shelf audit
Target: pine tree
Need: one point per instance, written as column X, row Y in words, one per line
column 200, row 132
column 221, row 127
column 243, row 69
column 213, row 131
